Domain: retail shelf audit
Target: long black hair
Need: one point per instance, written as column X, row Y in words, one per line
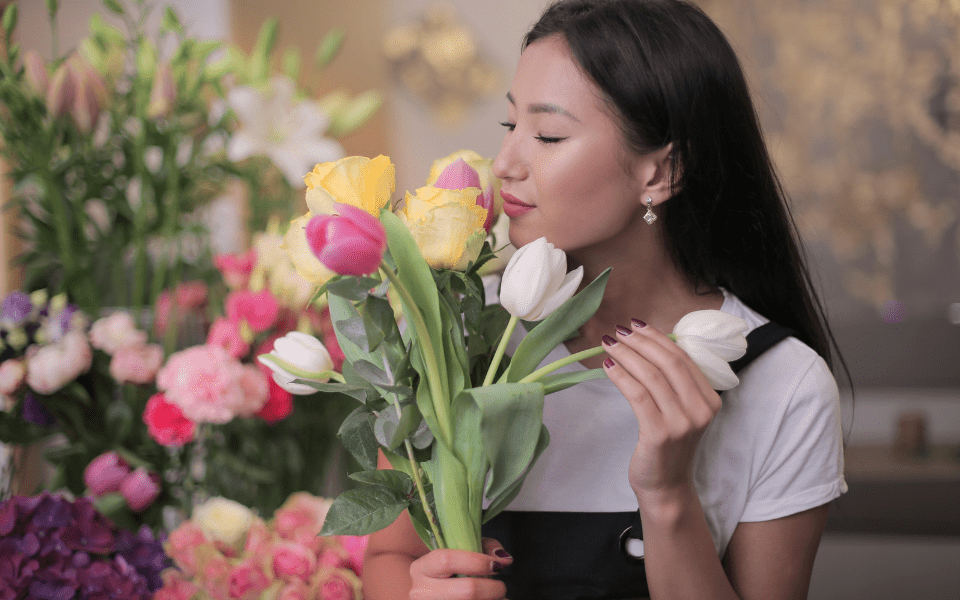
column 669, row 75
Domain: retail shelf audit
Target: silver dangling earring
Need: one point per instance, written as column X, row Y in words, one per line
column 649, row 217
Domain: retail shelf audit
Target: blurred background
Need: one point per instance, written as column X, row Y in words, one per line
column 861, row 106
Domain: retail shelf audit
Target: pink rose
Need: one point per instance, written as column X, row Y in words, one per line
column 116, row 331
column 226, row 334
column 293, row 561
column 183, row 543
column 105, row 473
column 279, row 403
column 140, row 488
column 259, row 309
column 247, row 580
column 51, row 367
column 334, row 556
column 166, row 423
column 236, row 268
column 215, row 572
column 296, row 590
column 259, row 538
column 136, row 363
column 337, row 584
column 12, row 374
column 302, row 512
column 351, row 242
column 207, row 384
column 191, row 294
column 356, row 546
column 175, row 587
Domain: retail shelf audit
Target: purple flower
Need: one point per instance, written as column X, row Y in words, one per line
column 145, row 553
column 89, row 530
column 53, row 513
column 60, row 323
column 16, row 308
column 36, row 413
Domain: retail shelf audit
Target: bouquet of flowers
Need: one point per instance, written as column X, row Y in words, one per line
column 460, row 423
column 227, row 551
column 51, row 547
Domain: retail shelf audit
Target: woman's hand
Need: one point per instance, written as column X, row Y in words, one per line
column 672, row 401
column 433, row 574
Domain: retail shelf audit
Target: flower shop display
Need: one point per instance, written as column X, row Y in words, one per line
column 226, row 551
column 459, row 421
column 52, row 547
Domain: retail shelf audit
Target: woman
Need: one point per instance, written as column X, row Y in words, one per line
column 632, row 143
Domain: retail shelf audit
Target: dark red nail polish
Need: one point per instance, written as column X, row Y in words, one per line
column 608, row 363
column 638, row 323
column 609, row 341
column 497, row 567
column 623, row 330
column 501, row 553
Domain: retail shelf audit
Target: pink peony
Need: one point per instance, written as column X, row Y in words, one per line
column 247, row 580
column 191, row 294
column 112, row 333
column 140, row 488
column 226, row 334
column 279, row 403
column 51, row 367
column 12, row 374
column 259, row 309
column 236, row 268
column 182, row 546
column 105, row 473
column 337, row 584
column 355, row 545
column 136, row 363
column 175, row 587
column 209, row 385
column 166, row 423
column 293, row 561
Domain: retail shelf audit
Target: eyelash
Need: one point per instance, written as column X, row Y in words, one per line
column 540, row 138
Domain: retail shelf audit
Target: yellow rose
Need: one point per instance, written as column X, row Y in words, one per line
column 304, row 261
column 355, row 180
column 223, row 520
column 489, row 183
column 446, row 224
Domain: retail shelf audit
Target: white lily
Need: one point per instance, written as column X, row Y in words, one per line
column 286, row 130
column 713, row 338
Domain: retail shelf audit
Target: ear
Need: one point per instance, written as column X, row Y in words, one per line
column 655, row 171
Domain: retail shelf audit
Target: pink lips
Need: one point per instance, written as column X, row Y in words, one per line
column 512, row 206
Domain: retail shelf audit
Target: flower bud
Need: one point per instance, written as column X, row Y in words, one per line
column 163, row 93
column 62, row 91
column 12, row 373
column 105, row 473
column 91, row 94
column 489, row 185
column 140, row 488
column 712, row 339
column 303, row 352
column 349, row 243
column 535, row 282
column 35, row 72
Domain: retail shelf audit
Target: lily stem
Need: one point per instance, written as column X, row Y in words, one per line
column 501, row 347
column 536, row 375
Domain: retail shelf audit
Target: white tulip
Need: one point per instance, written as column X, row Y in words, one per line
column 713, row 338
column 535, row 282
column 300, row 352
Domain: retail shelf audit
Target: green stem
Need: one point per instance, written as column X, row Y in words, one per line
column 415, row 470
column 498, row 356
column 437, row 394
column 301, row 373
column 536, row 375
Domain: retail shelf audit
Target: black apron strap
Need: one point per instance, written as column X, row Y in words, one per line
column 759, row 341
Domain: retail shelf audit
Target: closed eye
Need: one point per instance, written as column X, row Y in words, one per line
column 549, row 140
column 508, row 125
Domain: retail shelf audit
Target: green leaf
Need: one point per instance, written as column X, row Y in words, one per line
column 291, row 63
column 511, row 492
column 388, row 478
column 364, row 511
column 119, row 417
column 114, row 6
column 52, row 6
column 170, row 21
column 328, row 48
column 555, row 382
column 354, row 391
column 391, row 429
column 356, row 434
column 352, row 288
column 379, row 322
column 10, row 19
column 552, row 331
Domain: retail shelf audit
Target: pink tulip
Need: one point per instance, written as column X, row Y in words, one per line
column 140, row 488
column 105, row 474
column 459, row 175
column 350, row 243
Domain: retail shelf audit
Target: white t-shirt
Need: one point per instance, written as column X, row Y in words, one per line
column 774, row 449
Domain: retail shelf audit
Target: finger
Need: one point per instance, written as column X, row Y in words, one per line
column 648, row 414
column 463, row 588
column 492, row 547
column 441, row 564
column 626, row 354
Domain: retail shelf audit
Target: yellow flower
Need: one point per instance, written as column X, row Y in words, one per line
column 223, row 520
column 489, row 183
column 446, row 224
column 304, row 261
column 355, row 180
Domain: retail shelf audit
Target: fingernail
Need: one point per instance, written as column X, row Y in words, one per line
column 609, row 341
column 638, row 323
column 497, row 567
column 501, row 553
column 623, row 330
column 608, row 363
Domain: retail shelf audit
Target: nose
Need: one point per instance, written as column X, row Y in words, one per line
column 508, row 164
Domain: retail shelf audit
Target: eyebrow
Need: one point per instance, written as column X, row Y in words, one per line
column 544, row 108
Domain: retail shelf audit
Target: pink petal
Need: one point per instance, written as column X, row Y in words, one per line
column 458, row 175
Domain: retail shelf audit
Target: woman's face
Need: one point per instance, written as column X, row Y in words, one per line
column 562, row 156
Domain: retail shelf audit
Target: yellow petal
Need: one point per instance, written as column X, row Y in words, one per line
column 450, row 235
column 379, row 185
column 314, row 177
column 304, row 261
column 355, row 180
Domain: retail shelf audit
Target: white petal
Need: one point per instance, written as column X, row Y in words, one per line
column 567, row 289
column 717, row 371
column 528, row 279
column 248, row 103
column 717, row 331
column 243, row 145
column 311, row 121
column 297, row 389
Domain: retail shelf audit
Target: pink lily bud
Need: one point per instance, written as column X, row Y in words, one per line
column 105, row 473
column 163, row 92
column 62, row 91
column 349, row 243
column 459, row 175
column 35, row 71
column 91, row 96
column 140, row 488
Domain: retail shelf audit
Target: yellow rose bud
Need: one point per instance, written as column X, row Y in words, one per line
column 355, row 180
column 225, row 521
column 446, row 224
column 489, row 182
column 304, row 261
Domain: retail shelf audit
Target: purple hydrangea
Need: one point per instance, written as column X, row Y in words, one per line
column 16, row 308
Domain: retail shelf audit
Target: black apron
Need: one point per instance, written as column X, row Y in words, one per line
column 586, row 556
